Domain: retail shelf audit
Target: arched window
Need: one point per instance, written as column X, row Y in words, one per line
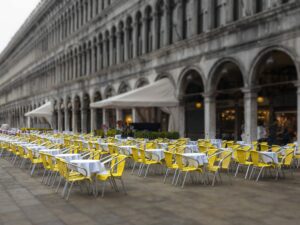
column 107, row 48
column 149, row 23
column 160, row 28
column 171, row 7
column 217, row 6
column 185, row 19
column 236, row 10
column 130, row 37
column 259, row 6
column 139, row 26
column 199, row 17
column 101, row 64
column 122, row 41
column 114, row 45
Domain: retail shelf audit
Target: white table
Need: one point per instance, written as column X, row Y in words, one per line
column 269, row 157
column 216, row 142
column 69, row 157
column 91, row 167
column 191, row 149
column 156, row 154
column 53, row 152
column 126, row 149
column 201, row 158
column 163, row 145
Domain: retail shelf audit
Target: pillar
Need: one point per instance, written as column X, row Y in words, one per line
column 250, row 105
column 154, row 30
column 74, row 117
column 298, row 112
column 135, row 116
column 167, row 21
column 135, row 39
column 119, row 115
column 67, row 118
column 93, row 119
column 126, row 43
column 105, row 117
column 210, row 115
column 84, row 120
column 144, row 35
column 118, row 50
column 179, row 25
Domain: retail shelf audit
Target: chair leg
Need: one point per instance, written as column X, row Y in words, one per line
column 43, row 176
column 123, row 186
column 32, row 170
column 261, row 170
column 184, row 179
column 68, row 195
column 134, row 164
column 147, row 171
column 247, row 172
column 166, row 175
column 237, row 170
column 59, row 182
column 214, row 179
column 103, row 189
column 65, row 189
column 174, row 176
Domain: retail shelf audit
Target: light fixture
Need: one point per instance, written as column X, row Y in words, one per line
column 260, row 99
column 128, row 119
column 198, row 105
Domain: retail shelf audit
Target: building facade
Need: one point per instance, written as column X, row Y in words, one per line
column 233, row 63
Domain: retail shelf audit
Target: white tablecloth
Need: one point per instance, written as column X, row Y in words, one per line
column 269, row 157
column 191, row 149
column 69, row 157
column 163, row 145
column 156, row 154
column 201, row 158
column 91, row 167
column 126, row 149
column 51, row 151
column 216, row 142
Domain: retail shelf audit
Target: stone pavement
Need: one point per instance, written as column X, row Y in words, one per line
column 24, row 201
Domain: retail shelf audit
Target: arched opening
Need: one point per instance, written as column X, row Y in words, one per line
column 114, row 45
column 99, row 112
column 86, row 114
column 122, row 41
column 129, row 44
column 149, row 24
column 192, row 89
column 61, row 107
column 110, row 113
column 160, row 32
column 77, row 108
column 55, row 115
column 107, row 49
column 275, row 77
column 229, row 101
column 139, row 26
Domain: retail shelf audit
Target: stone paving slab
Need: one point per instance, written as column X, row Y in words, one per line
column 24, row 200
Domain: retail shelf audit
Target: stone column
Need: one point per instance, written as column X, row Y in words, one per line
column 84, row 120
column 135, row 116
column 250, row 108
column 229, row 11
column 105, row 53
column 93, row 119
column 208, row 18
column 74, row 117
column 119, row 115
column 210, row 115
column 111, row 49
column 93, row 58
column 88, row 54
column 105, row 119
column 194, row 28
column 248, row 8
column 78, row 64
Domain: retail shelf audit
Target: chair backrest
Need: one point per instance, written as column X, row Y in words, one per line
column 51, row 161
column 179, row 160
column 255, row 157
column 21, row 151
column 225, row 159
column 44, row 160
column 30, row 154
column 288, row 157
column 212, row 159
column 135, row 154
column 202, row 148
column 168, row 159
column 229, row 144
column 241, row 156
column 119, row 164
column 264, row 146
column 143, row 155
column 275, row 148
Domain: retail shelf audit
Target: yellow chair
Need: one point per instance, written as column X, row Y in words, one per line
column 34, row 161
column 186, row 169
column 115, row 172
column 286, row 162
column 136, row 159
column 147, row 162
column 171, row 165
column 223, row 164
column 257, row 164
column 241, row 159
column 46, row 166
column 264, row 146
column 69, row 174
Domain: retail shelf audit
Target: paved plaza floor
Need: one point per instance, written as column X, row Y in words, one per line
column 24, row 201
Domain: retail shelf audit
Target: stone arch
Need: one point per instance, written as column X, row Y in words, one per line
column 141, row 82
column 213, row 77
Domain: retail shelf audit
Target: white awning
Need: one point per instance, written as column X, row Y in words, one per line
column 44, row 111
column 158, row 94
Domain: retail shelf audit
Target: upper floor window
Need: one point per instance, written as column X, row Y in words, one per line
column 236, row 10
column 259, row 6
column 217, row 6
column 199, row 17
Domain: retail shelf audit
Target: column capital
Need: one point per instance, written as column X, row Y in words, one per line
column 209, row 94
column 250, row 90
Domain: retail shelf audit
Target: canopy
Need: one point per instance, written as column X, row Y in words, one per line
column 158, row 94
column 44, row 111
